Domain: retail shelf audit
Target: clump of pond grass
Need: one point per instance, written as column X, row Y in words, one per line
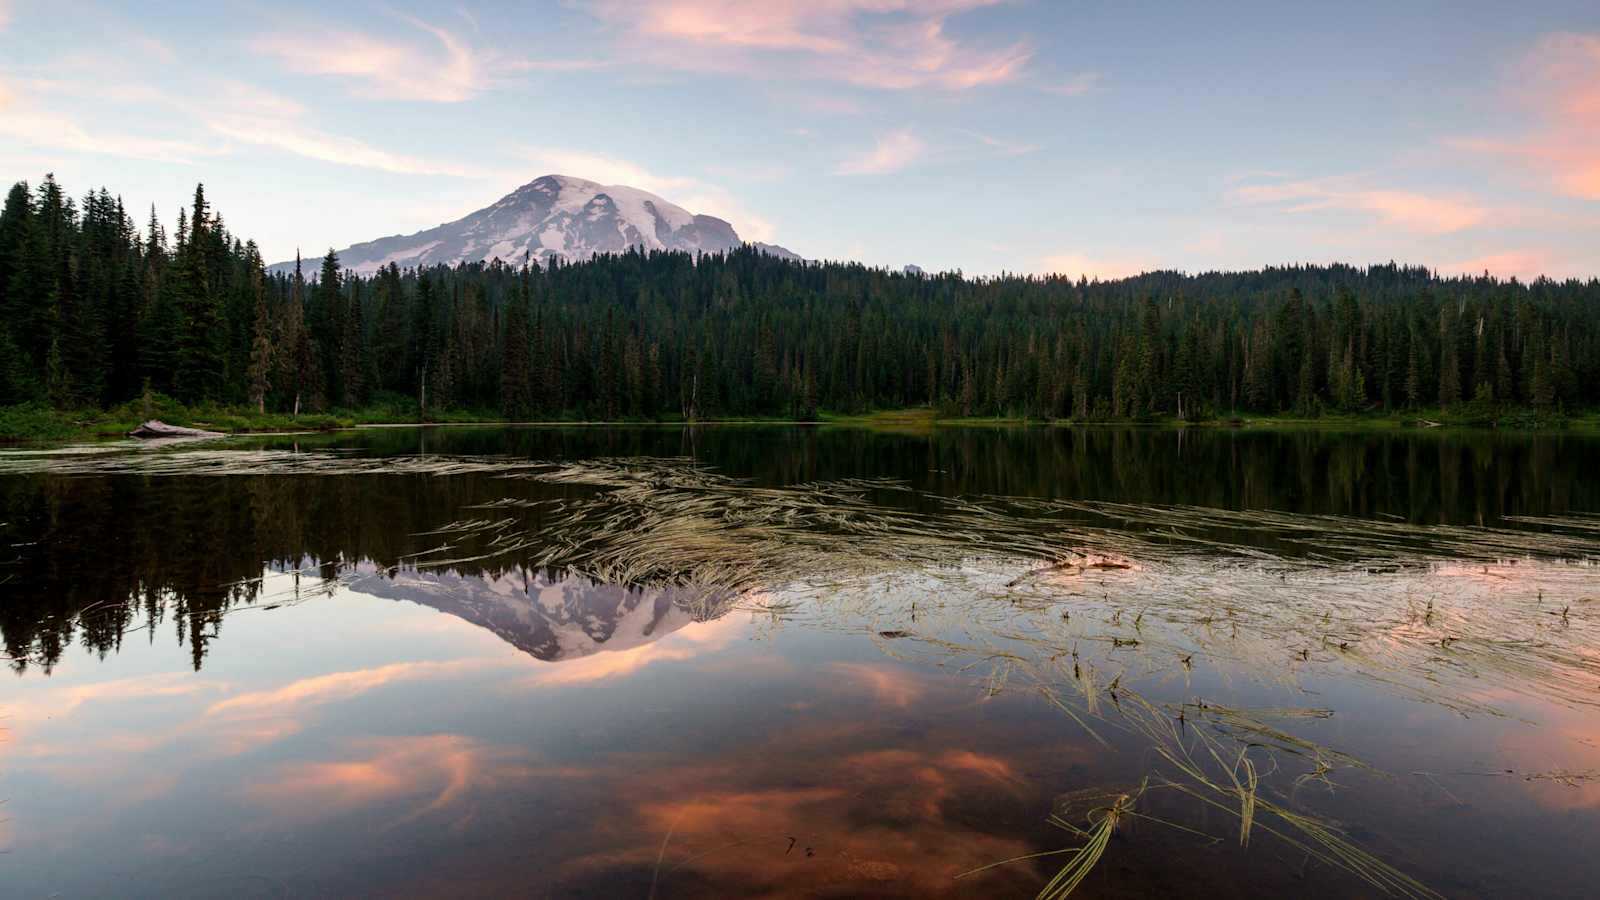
column 1198, row 764
column 1101, row 822
column 1105, row 813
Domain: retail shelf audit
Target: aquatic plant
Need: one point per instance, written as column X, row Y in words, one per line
column 1090, row 606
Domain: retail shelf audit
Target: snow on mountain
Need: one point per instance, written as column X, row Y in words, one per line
column 552, row 216
column 554, row 617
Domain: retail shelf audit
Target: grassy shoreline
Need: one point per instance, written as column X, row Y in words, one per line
column 1515, row 420
column 30, row 423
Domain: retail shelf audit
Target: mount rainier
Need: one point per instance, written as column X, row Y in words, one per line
column 551, row 216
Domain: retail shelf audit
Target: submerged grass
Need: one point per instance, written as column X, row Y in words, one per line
column 1034, row 590
column 1088, row 605
column 1101, row 823
column 1095, row 825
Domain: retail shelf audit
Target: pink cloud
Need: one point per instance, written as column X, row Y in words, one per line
column 1526, row 265
column 1559, row 84
column 261, row 118
column 1422, row 212
column 381, row 68
column 1101, row 268
column 1409, row 210
column 889, row 685
column 29, row 121
column 443, row 774
column 887, row 44
column 444, row 69
column 64, row 702
column 892, row 153
column 693, row 641
column 318, row 690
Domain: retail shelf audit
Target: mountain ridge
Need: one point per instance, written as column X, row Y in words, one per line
column 552, row 216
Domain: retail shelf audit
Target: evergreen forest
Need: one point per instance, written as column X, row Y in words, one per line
column 99, row 310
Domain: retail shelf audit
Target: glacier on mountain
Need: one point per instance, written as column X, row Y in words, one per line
column 550, row 217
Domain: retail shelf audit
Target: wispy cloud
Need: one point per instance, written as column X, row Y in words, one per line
column 384, row 68
column 602, row 168
column 209, row 118
column 691, row 642
column 1076, row 85
column 426, row 775
column 264, row 119
column 1559, row 84
column 693, row 194
column 29, row 122
column 1004, row 146
column 1405, row 209
column 888, row 44
column 62, row 703
column 893, row 152
column 1524, row 264
column 319, row 145
column 318, row 690
column 889, row 685
column 1421, row 212
column 437, row 65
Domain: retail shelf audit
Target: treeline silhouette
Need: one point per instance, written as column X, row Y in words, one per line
column 97, row 310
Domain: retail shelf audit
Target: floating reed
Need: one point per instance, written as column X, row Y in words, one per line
column 1086, row 604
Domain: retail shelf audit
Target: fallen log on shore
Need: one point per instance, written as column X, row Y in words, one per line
column 156, row 428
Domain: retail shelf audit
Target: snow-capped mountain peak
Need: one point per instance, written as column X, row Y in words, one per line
column 552, row 216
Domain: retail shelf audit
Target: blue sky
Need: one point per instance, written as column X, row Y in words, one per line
column 984, row 135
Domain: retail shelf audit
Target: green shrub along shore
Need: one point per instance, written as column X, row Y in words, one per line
column 39, row 423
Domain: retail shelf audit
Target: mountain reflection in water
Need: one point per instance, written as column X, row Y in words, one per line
column 553, row 616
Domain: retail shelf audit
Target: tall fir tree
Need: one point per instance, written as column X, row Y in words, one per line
column 516, row 386
column 198, row 347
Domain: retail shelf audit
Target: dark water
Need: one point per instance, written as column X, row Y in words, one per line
column 801, row 662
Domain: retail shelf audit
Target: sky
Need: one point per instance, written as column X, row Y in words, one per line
column 988, row 136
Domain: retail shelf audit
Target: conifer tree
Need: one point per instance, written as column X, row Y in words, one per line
column 516, row 391
column 1414, row 375
column 355, row 359
column 197, row 363
column 262, row 358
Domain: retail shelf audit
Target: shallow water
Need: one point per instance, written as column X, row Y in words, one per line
column 801, row 662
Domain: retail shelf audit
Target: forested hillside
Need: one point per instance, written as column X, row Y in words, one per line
column 96, row 310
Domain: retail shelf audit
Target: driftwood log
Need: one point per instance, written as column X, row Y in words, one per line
column 158, row 429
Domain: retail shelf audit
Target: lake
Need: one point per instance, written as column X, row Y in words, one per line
column 793, row 661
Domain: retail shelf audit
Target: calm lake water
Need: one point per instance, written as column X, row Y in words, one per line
column 775, row 662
